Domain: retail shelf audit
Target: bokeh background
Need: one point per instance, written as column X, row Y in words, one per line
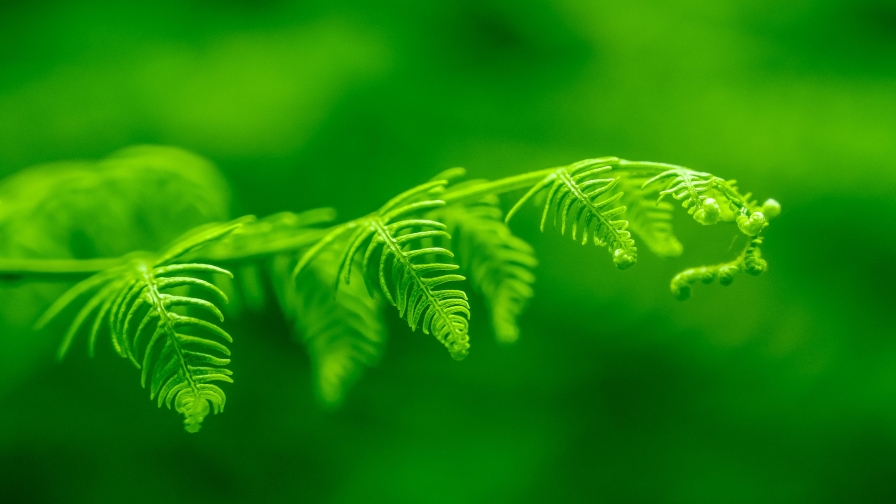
column 780, row 388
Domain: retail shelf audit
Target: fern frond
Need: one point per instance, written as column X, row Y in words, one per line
column 750, row 261
column 409, row 275
column 695, row 190
column 584, row 197
column 148, row 314
column 650, row 221
column 708, row 199
column 343, row 332
column 498, row 263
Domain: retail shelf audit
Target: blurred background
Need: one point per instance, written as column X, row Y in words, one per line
column 780, row 388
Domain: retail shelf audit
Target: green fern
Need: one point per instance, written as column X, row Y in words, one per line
column 498, row 263
column 650, row 221
column 750, row 219
column 750, row 261
column 246, row 249
column 343, row 332
column 273, row 234
column 709, row 199
column 144, row 297
column 409, row 277
column 581, row 196
column 148, row 302
column 138, row 198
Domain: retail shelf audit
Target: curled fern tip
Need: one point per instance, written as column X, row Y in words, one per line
column 708, row 213
column 625, row 258
column 752, row 225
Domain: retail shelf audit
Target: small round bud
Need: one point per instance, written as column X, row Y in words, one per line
column 624, row 259
column 708, row 213
column 681, row 291
column 459, row 350
column 726, row 275
column 771, row 209
column 752, row 225
column 706, row 275
column 755, row 266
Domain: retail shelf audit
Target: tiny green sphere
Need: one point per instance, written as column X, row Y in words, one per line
column 708, row 213
column 624, row 259
column 752, row 225
column 726, row 275
column 706, row 275
column 771, row 208
column 681, row 292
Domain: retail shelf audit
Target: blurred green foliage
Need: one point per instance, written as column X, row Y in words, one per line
column 778, row 389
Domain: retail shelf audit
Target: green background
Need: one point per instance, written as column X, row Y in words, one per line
column 780, row 388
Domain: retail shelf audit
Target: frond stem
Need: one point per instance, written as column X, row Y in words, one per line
column 525, row 180
column 508, row 184
column 307, row 237
column 647, row 166
column 55, row 268
column 164, row 318
column 62, row 268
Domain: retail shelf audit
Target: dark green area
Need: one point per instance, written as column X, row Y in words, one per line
column 780, row 388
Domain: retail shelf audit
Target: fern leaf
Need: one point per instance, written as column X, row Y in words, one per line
column 409, row 276
column 499, row 264
column 343, row 332
column 695, row 190
column 144, row 306
column 709, row 199
column 649, row 220
column 580, row 199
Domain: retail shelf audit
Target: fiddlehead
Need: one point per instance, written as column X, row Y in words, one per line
column 750, row 261
column 709, row 199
